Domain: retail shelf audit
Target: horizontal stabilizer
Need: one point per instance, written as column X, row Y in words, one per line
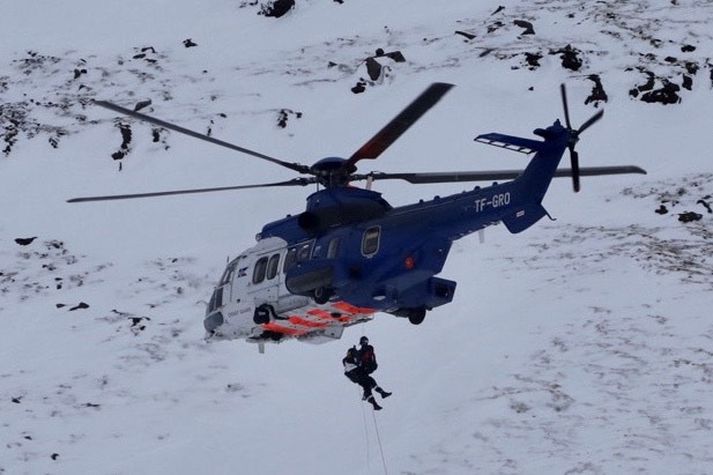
column 510, row 142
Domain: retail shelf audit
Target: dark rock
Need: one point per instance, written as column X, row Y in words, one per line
column 598, row 94
column 125, row 130
column 396, row 56
column 495, row 26
column 649, row 85
column 668, row 94
column 359, row 87
column 142, row 104
column 689, row 216
column 139, row 56
column 529, row 30
column 498, row 10
column 282, row 117
column 569, row 56
column 687, row 82
column 79, row 306
column 469, row 36
column 25, row 241
column 705, row 204
column 533, row 60
column 670, row 59
column 60, row 305
column 16, row 400
column 79, row 72
column 373, row 68
column 662, row 209
column 188, row 43
column 54, row 456
column 155, row 134
column 692, row 67
column 276, row 8
column 688, row 48
column 135, row 321
column 150, row 49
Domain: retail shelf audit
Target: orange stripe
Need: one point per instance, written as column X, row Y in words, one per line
column 294, row 319
column 319, row 313
column 349, row 308
column 274, row 327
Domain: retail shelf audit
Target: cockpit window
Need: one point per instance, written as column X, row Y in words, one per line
column 304, row 251
column 228, row 273
column 272, row 266
column 298, row 253
column 370, row 241
column 290, row 259
column 259, row 271
column 333, row 248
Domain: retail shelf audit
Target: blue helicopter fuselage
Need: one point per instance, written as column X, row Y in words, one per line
column 369, row 254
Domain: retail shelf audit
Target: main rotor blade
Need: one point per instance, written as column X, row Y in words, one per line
column 161, row 123
column 563, row 91
column 590, row 121
column 574, row 156
column 400, row 124
column 293, row 182
column 491, row 175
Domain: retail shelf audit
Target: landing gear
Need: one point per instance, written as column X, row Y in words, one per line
column 417, row 315
column 263, row 313
column 321, row 295
column 414, row 315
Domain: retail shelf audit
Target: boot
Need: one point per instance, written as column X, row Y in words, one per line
column 383, row 393
column 373, row 403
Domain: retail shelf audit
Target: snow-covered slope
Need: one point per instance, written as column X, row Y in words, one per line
column 583, row 345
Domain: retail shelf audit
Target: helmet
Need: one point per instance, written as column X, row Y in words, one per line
column 363, row 341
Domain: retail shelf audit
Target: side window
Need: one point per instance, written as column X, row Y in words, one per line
column 299, row 253
column 259, row 271
column 304, row 251
column 290, row 259
column 333, row 248
column 272, row 266
column 370, row 241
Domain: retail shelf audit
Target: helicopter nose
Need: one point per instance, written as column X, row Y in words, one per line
column 213, row 321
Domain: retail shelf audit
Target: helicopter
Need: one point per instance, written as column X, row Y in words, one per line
column 350, row 254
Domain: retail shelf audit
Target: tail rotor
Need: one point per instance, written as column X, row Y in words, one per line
column 574, row 137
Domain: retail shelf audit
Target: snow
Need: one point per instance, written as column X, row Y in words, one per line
column 582, row 345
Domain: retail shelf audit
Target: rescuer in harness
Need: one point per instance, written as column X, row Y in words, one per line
column 358, row 365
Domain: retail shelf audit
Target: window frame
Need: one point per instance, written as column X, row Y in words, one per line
column 364, row 236
column 259, row 270
column 273, row 269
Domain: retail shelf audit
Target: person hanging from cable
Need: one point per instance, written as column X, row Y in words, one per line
column 367, row 362
column 357, row 375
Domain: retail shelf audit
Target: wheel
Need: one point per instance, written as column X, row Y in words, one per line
column 321, row 295
column 417, row 315
column 262, row 314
